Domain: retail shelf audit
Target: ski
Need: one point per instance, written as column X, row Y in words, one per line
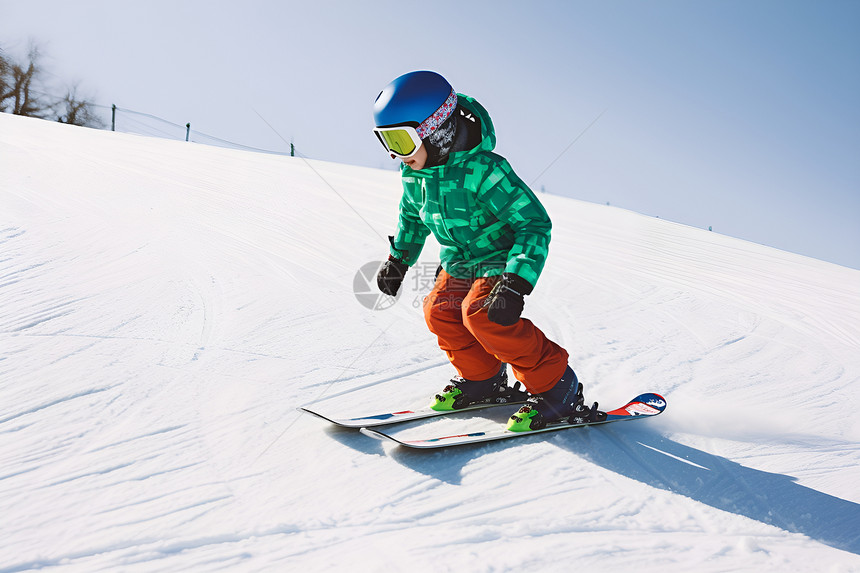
column 387, row 418
column 643, row 406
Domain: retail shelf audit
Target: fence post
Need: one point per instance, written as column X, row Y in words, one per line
column 187, row 131
column 113, row 117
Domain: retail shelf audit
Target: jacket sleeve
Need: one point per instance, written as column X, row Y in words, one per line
column 511, row 200
column 411, row 231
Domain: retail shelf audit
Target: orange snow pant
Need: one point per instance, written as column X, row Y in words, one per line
column 477, row 347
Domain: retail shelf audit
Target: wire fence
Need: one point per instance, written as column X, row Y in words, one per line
column 140, row 123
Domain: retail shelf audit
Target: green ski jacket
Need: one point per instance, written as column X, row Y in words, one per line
column 485, row 218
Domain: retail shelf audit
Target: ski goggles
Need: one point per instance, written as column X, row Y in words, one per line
column 404, row 140
column 400, row 140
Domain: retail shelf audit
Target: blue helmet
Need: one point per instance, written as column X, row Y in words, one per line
column 410, row 99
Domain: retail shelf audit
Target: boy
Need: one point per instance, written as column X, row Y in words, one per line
column 494, row 235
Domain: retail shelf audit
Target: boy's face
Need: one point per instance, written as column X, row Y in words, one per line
column 418, row 160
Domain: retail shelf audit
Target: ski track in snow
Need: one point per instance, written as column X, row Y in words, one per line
column 165, row 307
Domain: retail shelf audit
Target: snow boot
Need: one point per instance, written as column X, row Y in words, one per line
column 462, row 393
column 561, row 403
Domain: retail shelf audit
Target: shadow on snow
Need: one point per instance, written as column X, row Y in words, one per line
column 644, row 455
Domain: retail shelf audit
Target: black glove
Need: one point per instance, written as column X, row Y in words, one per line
column 390, row 276
column 506, row 301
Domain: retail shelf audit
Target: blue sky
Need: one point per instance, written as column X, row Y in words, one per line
column 740, row 115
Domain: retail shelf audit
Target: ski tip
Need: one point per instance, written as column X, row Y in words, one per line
column 306, row 410
column 373, row 434
column 335, row 421
column 648, row 404
column 383, row 437
column 652, row 399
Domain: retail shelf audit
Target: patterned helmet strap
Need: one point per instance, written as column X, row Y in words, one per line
column 430, row 124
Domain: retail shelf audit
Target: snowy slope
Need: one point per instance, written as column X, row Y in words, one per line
column 165, row 307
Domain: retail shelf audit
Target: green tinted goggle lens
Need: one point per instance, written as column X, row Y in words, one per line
column 399, row 141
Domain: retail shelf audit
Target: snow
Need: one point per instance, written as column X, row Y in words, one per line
column 165, row 307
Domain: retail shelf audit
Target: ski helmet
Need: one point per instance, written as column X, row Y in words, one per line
column 421, row 99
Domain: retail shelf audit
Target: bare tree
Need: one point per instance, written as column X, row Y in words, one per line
column 5, row 86
column 76, row 111
column 22, row 96
column 22, row 93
